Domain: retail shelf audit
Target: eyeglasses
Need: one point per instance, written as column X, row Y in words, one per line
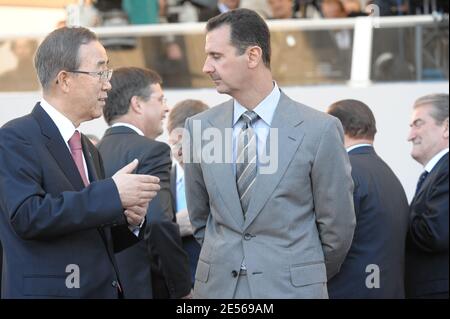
column 104, row 75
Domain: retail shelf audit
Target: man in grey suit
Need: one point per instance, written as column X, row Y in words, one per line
column 270, row 226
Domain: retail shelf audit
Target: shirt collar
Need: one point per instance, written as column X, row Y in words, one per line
column 351, row 148
column 265, row 109
column 134, row 128
column 64, row 125
column 432, row 163
column 222, row 7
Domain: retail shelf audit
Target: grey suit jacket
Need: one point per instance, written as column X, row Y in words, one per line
column 300, row 221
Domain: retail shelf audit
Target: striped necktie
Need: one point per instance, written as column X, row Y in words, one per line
column 246, row 159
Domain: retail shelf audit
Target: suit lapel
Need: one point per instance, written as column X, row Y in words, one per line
column 223, row 172
column 287, row 121
column 173, row 185
column 430, row 178
column 57, row 147
column 91, row 167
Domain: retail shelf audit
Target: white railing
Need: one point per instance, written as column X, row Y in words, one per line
column 362, row 41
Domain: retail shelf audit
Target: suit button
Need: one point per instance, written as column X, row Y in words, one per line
column 234, row 273
column 248, row 236
column 115, row 284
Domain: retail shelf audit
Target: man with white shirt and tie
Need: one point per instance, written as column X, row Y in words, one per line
column 175, row 125
column 268, row 184
column 156, row 267
column 60, row 220
column 427, row 240
column 374, row 266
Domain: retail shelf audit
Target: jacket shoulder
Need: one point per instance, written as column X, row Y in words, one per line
column 24, row 127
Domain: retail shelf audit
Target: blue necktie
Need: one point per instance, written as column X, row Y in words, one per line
column 181, row 196
column 422, row 178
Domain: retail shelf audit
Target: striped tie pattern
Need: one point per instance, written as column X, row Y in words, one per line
column 246, row 159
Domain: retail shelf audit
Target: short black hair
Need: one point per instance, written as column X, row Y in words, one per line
column 128, row 82
column 356, row 117
column 247, row 29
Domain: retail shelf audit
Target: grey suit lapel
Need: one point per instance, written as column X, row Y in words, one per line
column 287, row 120
column 223, row 172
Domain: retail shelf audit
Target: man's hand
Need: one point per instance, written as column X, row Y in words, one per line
column 188, row 296
column 136, row 214
column 135, row 189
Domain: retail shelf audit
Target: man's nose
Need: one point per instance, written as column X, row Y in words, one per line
column 107, row 85
column 411, row 135
column 207, row 68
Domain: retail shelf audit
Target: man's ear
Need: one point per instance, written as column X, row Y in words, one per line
column 446, row 128
column 135, row 105
column 63, row 81
column 254, row 55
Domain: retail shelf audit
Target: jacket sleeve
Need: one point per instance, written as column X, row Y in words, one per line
column 35, row 213
column 333, row 196
column 196, row 194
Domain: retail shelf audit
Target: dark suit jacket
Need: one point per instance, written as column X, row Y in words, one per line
column 159, row 261
column 381, row 210
column 205, row 14
column 427, row 240
column 190, row 244
column 49, row 220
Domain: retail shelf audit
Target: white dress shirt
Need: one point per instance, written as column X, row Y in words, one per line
column 432, row 162
column 351, row 148
column 265, row 110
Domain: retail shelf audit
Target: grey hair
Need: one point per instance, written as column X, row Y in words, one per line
column 59, row 51
column 439, row 103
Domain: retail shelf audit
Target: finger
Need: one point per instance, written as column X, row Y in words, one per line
column 148, row 179
column 129, row 168
column 145, row 196
column 138, row 210
column 133, row 218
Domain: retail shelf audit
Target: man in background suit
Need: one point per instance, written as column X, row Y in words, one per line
column 374, row 266
column 222, row 6
column 427, row 239
column 60, row 222
column 273, row 227
column 175, row 124
column 135, row 110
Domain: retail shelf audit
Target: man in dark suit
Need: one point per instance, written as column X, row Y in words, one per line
column 222, row 6
column 374, row 266
column 135, row 110
column 175, row 125
column 427, row 239
column 60, row 222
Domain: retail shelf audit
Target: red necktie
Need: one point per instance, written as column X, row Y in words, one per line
column 77, row 155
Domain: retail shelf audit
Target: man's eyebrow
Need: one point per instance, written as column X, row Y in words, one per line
column 102, row 62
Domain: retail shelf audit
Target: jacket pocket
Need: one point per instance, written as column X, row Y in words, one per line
column 202, row 272
column 48, row 286
column 308, row 274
